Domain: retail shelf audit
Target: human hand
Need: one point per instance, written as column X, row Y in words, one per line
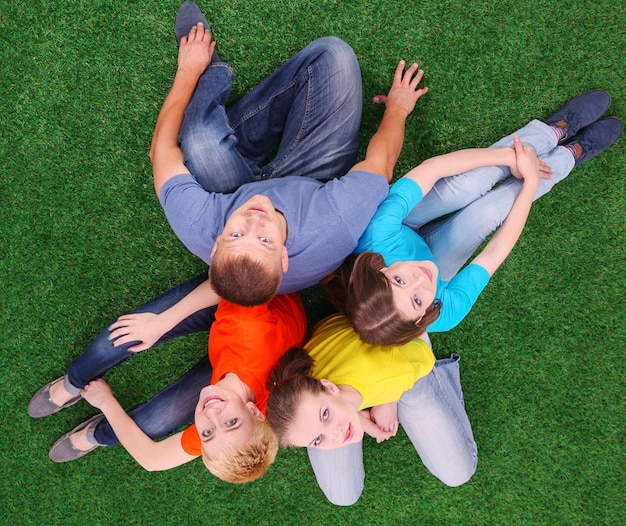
column 545, row 172
column 403, row 93
column 97, row 392
column 372, row 429
column 526, row 163
column 196, row 50
column 386, row 417
column 143, row 327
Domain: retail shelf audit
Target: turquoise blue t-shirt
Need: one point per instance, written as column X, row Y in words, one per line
column 387, row 235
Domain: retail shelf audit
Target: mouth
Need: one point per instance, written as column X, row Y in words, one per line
column 257, row 209
column 211, row 400
column 427, row 273
column 349, row 433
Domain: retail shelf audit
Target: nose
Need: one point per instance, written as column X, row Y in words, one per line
column 339, row 435
column 419, row 277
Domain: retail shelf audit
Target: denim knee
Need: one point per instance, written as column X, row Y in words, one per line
column 462, row 473
column 339, row 54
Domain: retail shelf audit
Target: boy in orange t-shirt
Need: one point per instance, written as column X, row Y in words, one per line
column 229, row 431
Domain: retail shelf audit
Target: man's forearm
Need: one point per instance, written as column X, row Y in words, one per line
column 388, row 140
column 172, row 112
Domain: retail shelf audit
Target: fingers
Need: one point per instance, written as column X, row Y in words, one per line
column 397, row 77
column 545, row 172
column 198, row 32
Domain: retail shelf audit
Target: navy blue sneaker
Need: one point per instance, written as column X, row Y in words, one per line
column 594, row 139
column 579, row 112
column 189, row 15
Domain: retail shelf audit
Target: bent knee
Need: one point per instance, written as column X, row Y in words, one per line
column 462, row 473
column 346, row 499
column 340, row 56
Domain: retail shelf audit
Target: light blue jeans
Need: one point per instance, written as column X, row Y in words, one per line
column 433, row 416
column 433, row 413
column 479, row 207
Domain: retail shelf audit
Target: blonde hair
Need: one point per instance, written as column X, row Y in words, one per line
column 248, row 462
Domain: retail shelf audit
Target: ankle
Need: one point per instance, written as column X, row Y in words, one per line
column 575, row 149
column 58, row 394
column 560, row 130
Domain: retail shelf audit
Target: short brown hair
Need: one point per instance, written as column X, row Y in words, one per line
column 248, row 462
column 243, row 280
column 370, row 307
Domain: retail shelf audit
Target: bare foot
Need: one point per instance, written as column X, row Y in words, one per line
column 58, row 394
column 79, row 440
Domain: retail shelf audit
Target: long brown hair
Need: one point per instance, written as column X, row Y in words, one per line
column 362, row 291
column 288, row 381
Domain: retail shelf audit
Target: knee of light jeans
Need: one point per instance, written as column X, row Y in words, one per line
column 339, row 473
column 462, row 473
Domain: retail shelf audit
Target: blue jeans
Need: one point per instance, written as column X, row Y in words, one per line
column 309, row 110
column 433, row 416
column 478, row 207
column 174, row 406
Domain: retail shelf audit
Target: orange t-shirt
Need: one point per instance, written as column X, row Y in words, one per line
column 248, row 341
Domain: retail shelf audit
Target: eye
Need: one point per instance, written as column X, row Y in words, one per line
column 265, row 240
column 231, row 422
column 417, row 301
column 207, row 433
column 317, row 441
column 398, row 280
column 236, row 234
column 325, row 415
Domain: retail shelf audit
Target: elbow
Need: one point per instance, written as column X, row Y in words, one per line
column 148, row 466
column 152, row 152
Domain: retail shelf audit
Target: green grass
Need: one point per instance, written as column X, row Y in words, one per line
column 84, row 239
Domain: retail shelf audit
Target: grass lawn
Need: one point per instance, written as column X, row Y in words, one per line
column 84, row 239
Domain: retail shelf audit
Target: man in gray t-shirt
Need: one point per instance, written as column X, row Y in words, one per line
column 294, row 215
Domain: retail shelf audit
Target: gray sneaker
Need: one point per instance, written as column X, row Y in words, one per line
column 42, row 405
column 64, row 451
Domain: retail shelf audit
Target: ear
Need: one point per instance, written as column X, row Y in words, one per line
column 256, row 412
column 214, row 249
column 285, row 259
column 330, row 387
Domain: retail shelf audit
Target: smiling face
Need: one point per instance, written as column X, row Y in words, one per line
column 223, row 419
column 325, row 421
column 256, row 229
column 413, row 285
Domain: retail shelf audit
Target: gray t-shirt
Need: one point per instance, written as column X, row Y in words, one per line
column 325, row 219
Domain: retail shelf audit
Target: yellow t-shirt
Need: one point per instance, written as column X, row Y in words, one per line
column 380, row 373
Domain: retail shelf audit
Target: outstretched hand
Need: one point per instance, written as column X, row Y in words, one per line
column 404, row 92
column 142, row 327
column 196, row 50
column 97, row 392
